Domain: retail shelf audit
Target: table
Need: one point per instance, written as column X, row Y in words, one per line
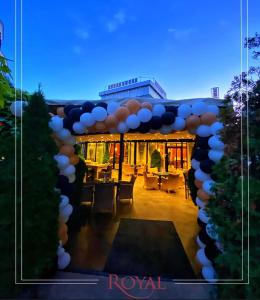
column 160, row 175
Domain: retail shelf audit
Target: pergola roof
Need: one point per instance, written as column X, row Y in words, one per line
column 219, row 102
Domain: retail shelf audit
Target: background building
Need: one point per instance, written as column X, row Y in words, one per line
column 135, row 87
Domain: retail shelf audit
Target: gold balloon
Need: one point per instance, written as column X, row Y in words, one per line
column 60, row 112
column 198, row 183
column 203, row 195
column 133, row 106
column 74, row 159
column 63, row 233
column 100, row 126
column 192, row 122
column 208, row 118
column 67, row 150
column 122, row 113
column 111, row 121
column 147, row 105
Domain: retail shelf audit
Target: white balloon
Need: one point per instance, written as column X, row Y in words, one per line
column 122, row 127
column 200, row 203
column 208, row 185
column 63, row 260
column 62, row 161
column 132, row 121
column 60, row 251
column 87, row 119
column 212, row 108
column 56, row 123
column 201, row 176
column 78, row 127
column 203, row 216
column 72, row 178
column 199, row 108
column 199, row 242
column 158, row 110
column 71, row 140
column 195, row 164
column 17, row 107
column 63, row 134
column 215, row 155
column 209, row 274
column 179, row 124
column 184, row 111
column 99, row 113
column 215, row 143
column 144, row 115
column 65, row 212
column 165, row 129
column 216, row 127
column 64, row 200
column 202, row 258
column 112, row 107
column 69, row 170
column 203, row 131
column 211, row 231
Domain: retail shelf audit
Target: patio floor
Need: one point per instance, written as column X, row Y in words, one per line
column 91, row 238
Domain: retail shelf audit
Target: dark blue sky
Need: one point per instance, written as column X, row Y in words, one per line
column 75, row 48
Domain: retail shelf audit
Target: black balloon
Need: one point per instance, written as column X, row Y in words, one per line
column 201, row 224
column 200, row 154
column 87, row 106
column 143, row 128
column 67, row 109
column 102, row 104
column 207, row 165
column 155, row 123
column 202, row 142
column 168, row 118
column 67, row 123
column 172, row 109
column 211, row 252
column 75, row 114
column 205, row 239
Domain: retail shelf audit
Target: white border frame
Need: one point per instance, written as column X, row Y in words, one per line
column 93, row 281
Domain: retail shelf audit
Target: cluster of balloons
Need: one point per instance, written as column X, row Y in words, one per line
column 210, row 248
column 66, row 160
column 133, row 116
column 209, row 149
column 63, row 258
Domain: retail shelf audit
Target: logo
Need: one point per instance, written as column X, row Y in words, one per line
column 129, row 285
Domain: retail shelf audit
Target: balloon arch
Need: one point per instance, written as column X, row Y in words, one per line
column 134, row 115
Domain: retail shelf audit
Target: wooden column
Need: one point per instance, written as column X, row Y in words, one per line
column 166, row 157
column 121, row 156
column 114, row 156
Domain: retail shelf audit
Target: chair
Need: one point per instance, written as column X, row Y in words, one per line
column 171, row 183
column 125, row 190
column 141, row 170
column 87, row 195
column 128, row 170
column 150, row 182
column 104, row 198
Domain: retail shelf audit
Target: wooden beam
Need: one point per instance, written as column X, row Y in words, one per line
column 121, row 156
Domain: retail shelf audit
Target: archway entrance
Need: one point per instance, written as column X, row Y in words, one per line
column 137, row 144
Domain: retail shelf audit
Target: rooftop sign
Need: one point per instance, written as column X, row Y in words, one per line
column 122, row 83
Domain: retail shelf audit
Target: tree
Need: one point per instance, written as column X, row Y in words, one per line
column 40, row 204
column 227, row 210
column 156, row 159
